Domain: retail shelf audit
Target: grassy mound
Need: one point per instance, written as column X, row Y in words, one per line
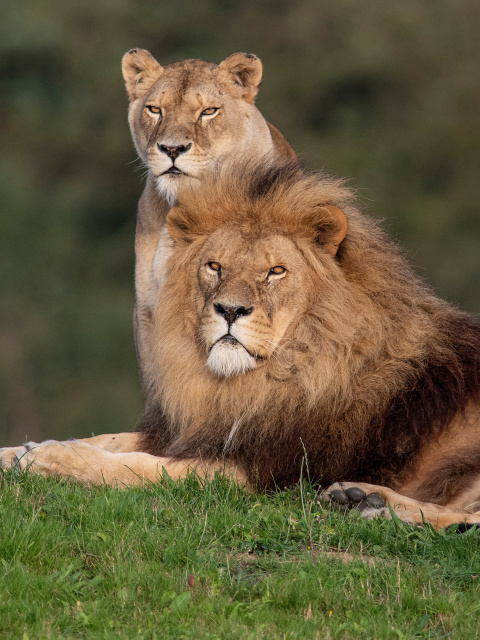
column 181, row 560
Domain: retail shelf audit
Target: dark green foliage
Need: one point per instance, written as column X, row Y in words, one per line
column 387, row 94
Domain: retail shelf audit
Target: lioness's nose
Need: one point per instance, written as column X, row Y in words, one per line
column 231, row 313
column 174, row 152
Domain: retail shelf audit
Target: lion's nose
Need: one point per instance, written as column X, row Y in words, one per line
column 174, row 152
column 231, row 313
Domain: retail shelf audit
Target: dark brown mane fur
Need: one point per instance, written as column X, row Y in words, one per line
column 386, row 387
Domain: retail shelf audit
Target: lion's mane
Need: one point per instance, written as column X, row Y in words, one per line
column 376, row 368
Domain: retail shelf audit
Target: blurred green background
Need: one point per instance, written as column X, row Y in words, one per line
column 385, row 93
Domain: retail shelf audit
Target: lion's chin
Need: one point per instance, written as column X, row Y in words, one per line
column 228, row 358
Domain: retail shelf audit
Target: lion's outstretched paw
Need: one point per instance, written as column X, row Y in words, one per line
column 11, row 456
column 370, row 505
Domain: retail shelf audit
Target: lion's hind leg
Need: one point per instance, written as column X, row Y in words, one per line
column 376, row 501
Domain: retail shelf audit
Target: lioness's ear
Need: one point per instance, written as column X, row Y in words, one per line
column 330, row 227
column 246, row 70
column 179, row 225
column 140, row 70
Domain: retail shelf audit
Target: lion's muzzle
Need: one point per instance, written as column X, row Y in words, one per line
column 228, row 357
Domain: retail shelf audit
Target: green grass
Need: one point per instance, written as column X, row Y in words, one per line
column 178, row 561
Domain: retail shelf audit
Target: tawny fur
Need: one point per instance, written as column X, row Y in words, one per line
column 182, row 91
column 361, row 373
column 371, row 369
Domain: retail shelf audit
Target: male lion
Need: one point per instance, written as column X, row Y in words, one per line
column 186, row 119
column 293, row 335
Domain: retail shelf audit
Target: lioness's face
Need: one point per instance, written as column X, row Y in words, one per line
column 248, row 293
column 184, row 132
column 190, row 116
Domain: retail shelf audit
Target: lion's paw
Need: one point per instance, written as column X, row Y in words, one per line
column 44, row 458
column 12, row 456
column 348, row 496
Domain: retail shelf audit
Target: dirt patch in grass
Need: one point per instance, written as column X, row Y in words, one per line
column 346, row 556
column 245, row 560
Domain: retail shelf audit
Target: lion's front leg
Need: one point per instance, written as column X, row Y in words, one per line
column 373, row 501
column 115, row 442
column 84, row 462
column 91, row 464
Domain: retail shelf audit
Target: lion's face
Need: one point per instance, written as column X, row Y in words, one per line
column 189, row 116
column 246, row 269
column 248, row 292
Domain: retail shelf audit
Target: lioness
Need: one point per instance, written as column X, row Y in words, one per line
column 186, row 119
column 293, row 335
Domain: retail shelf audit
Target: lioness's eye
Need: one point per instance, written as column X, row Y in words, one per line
column 153, row 109
column 214, row 267
column 209, row 112
column 276, row 271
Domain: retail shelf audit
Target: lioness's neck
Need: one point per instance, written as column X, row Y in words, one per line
column 152, row 208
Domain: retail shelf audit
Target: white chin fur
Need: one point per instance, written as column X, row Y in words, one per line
column 167, row 188
column 227, row 360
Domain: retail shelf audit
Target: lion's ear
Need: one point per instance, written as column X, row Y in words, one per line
column 180, row 225
column 246, row 71
column 330, row 227
column 140, row 70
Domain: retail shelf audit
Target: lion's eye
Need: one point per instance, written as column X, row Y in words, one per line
column 277, row 272
column 154, row 110
column 210, row 111
column 214, row 267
